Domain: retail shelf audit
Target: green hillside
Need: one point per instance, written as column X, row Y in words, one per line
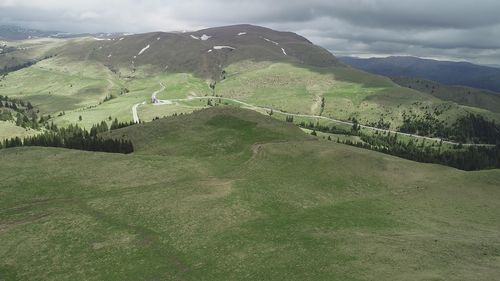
column 348, row 93
column 88, row 80
column 229, row 194
column 466, row 96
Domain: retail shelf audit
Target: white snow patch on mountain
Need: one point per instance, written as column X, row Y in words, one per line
column 223, row 47
column 271, row 41
column 143, row 50
column 194, row 37
column 205, row 37
column 284, row 52
column 241, row 33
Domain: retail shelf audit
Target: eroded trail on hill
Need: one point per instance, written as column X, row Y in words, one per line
column 154, row 100
column 134, row 112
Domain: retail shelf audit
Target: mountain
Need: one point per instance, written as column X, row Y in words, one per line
column 92, row 79
column 446, row 72
column 202, row 52
column 493, row 65
column 460, row 94
column 13, row 32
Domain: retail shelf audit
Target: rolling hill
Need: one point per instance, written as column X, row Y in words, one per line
column 460, row 94
column 261, row 66
column 230, row 194
column 445, row 72
column 91, row 79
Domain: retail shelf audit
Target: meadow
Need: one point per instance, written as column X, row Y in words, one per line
column 230, row 194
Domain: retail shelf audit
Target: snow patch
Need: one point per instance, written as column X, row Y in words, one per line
column 284, row 52
column 241, row 33
column 194, row 37
column 271, row 41
column 209, row 51
column 102, row 39
column 143, row 50
column 205, row 37
column 158, row 39
column 121, row 39
column 109, row 56
column 223, row 47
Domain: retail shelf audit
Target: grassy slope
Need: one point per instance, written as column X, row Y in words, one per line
column 460, row 94
column 8, row 129
column 348, row 92
column 28, row 51
column 178, row 86
column 78, row 88
column 288, row 85
column 55, row 85
column 199, row 201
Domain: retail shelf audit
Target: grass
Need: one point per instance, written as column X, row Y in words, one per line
column 348, row 93
column 229, row 194
column 56, row 85
column 79, row 87
column 8, row 129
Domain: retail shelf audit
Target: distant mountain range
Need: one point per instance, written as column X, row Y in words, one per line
column 13, row 32
column 446, row 72
column 493, row 65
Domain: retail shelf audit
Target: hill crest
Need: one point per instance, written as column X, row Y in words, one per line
column 205, row 52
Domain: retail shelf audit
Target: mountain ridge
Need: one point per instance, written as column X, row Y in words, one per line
column 446, row 72
column 204, row 52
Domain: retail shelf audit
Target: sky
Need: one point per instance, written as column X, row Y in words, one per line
column 442, row 29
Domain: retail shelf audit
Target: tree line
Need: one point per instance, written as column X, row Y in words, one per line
column 6, row 69
column 472, row 128
column 469, row 158
column 26, row 115
column 74, row 137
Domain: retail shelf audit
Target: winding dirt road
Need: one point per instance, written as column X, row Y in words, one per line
column 134, row 112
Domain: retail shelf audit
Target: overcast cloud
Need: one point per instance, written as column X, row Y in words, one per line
column 446, row 29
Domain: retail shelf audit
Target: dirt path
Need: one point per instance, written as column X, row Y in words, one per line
column 154, row 95
column 154, row 99
column 134, row 112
